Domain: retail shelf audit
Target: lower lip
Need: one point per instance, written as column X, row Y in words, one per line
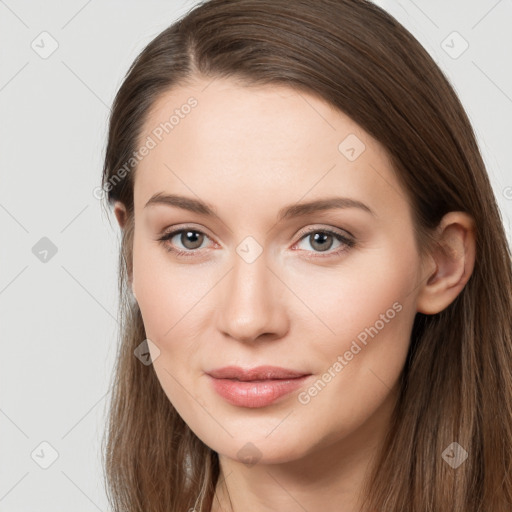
column 255, row 393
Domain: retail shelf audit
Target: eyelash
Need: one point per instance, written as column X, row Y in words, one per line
column 347, row 242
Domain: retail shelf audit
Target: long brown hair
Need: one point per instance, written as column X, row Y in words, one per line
column 456, row 385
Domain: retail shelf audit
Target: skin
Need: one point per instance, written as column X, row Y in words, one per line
column 250, row 151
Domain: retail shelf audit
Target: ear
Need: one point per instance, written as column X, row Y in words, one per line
column 121, row 216
column 453, row 261
column 120, row 212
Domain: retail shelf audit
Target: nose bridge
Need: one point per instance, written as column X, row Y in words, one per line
column 250, row 303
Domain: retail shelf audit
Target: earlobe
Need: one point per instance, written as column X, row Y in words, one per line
column 454, row 257
column 120, row 213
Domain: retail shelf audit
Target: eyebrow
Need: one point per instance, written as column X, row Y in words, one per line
column 294, row 210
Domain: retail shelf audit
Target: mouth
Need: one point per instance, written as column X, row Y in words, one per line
column 255, row 387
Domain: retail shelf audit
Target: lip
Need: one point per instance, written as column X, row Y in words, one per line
column 255, row 387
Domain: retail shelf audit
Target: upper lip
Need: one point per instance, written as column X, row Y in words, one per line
column 257, row 373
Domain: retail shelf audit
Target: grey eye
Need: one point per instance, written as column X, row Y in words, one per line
column 321, row 241
column 191, row 239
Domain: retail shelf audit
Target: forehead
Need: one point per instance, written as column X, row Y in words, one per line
column 219, row 139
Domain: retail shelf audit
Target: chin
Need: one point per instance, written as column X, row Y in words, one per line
column 259, row 449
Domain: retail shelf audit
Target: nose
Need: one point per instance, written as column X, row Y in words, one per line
column 252, row 302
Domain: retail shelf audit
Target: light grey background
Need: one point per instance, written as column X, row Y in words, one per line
column 59, row 316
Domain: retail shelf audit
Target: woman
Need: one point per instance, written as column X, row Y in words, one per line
column 314, row 263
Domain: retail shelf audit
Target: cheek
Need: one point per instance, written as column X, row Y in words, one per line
column 371, row 294
column 172, row 298
column 169, row 298
column 359, row 365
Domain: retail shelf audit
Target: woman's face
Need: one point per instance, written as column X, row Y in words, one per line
column 306, row 262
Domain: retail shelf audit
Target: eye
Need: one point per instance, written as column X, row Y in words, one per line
column 322, row 240
column 190, row 239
